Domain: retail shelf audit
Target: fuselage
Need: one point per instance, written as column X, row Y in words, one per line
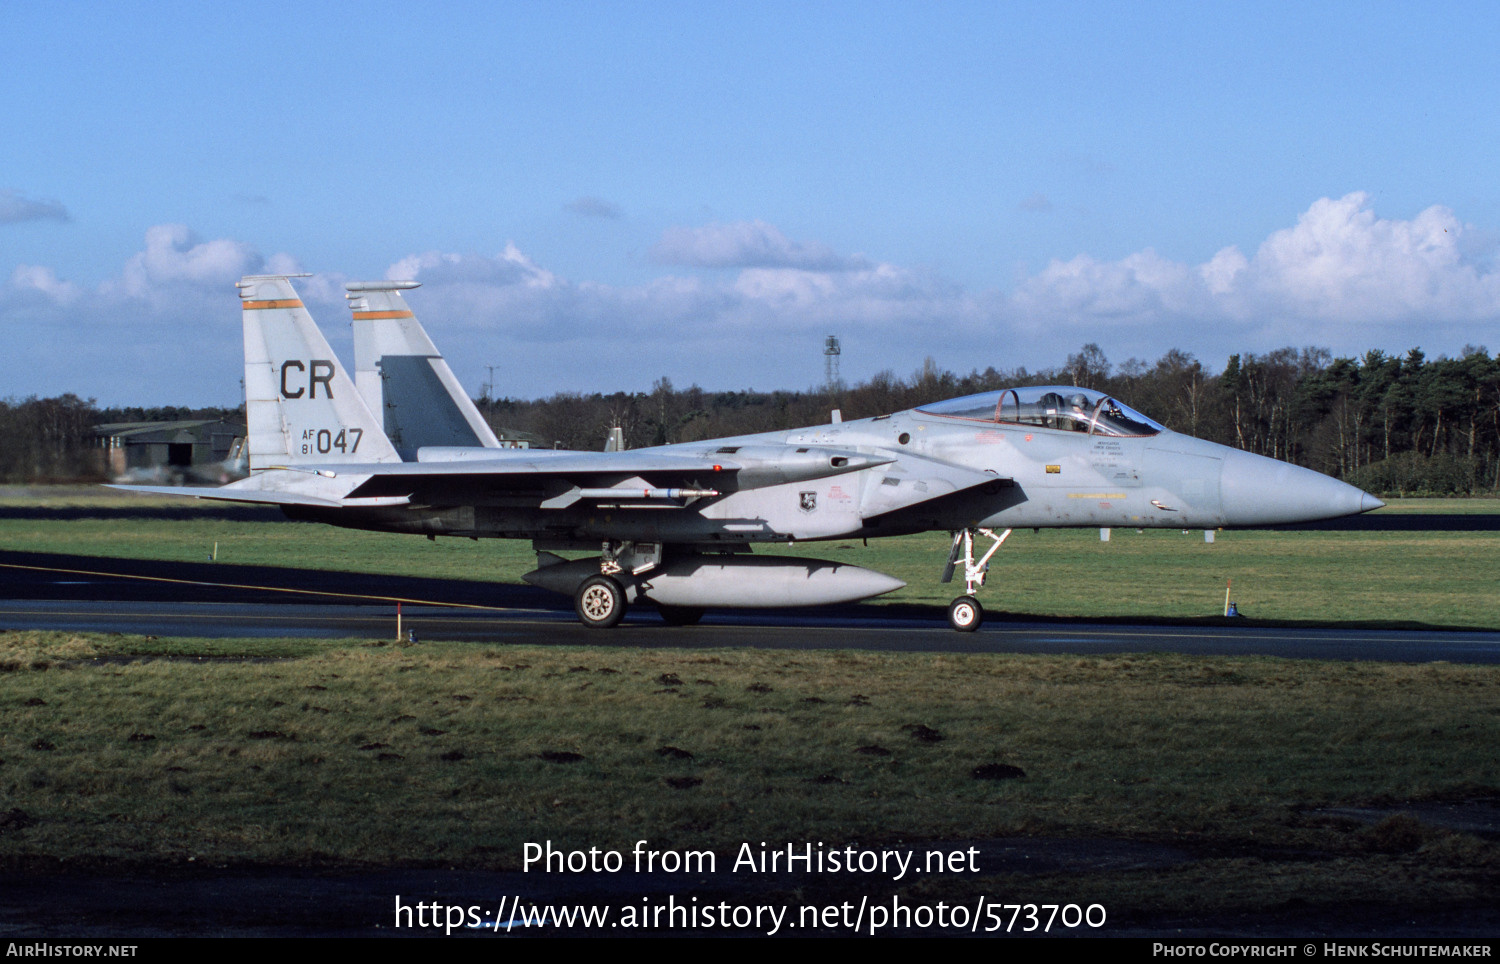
column 945, row 467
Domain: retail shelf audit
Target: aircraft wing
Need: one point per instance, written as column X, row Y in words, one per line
column 634, row 462
column 596, row 475
column 224, row 493
column 557, row 481
column 553, row 479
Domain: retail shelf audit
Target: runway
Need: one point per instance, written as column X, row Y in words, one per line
column 85, row 594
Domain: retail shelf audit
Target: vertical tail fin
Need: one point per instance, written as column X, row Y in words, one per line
column 404, row 378
column 301, row 406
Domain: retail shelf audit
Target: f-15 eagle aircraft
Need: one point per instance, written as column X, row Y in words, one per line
column 674, row 525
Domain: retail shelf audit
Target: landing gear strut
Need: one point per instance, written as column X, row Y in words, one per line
column 964, row 613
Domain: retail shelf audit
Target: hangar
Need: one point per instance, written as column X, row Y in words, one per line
column 201, row 449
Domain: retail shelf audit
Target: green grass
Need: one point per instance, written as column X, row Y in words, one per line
column 351, row 754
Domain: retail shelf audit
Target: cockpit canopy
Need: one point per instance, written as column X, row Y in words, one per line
column 1049, row 406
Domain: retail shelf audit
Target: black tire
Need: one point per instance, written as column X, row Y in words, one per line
column 965, row 614
column 599, row 602
column 679, row 615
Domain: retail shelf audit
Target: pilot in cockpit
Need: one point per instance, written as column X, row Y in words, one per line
column 1079, row 411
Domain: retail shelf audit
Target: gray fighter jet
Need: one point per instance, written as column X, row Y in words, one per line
column 674, row 525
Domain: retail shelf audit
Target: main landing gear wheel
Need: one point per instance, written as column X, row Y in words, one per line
column 599, row 602
column 965, row 614
column 679, row 615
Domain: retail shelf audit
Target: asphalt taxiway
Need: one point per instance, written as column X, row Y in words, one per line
column 78, row 594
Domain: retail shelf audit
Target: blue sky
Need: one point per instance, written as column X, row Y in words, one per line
column 597, row 195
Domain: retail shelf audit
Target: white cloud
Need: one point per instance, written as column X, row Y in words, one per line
column 1339, row 277
column 507, row 268
column 1222, row 269
column 42, row 282
column 1340, row 273
column 747, row 244
column 166, row 327
column 175, row 255
column 1341, row 263
column 1141, row 288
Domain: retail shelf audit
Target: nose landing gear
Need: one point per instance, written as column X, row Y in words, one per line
column 964, row 613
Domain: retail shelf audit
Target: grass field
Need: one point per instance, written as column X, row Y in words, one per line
column 351, row 754
column 124, row 752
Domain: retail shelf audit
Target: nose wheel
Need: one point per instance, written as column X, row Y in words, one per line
column 964, row 613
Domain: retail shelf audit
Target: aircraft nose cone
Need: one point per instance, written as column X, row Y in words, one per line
column 1261, row 491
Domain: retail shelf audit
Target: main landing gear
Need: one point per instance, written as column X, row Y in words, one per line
column 964, row 613
column 600, row 602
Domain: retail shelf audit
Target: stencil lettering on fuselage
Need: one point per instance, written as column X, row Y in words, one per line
column 1114, row 464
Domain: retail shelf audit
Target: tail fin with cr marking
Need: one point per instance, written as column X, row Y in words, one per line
column 301, row 406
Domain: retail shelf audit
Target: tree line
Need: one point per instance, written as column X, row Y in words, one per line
column 1393, row 425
